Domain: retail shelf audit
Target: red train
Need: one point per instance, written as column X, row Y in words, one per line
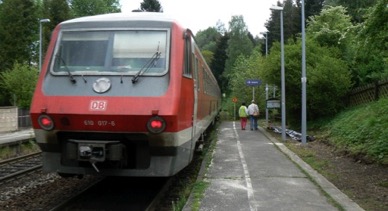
column 122, row 95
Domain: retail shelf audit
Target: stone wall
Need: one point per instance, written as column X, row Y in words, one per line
column 8, row 119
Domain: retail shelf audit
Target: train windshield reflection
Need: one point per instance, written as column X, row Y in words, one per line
column 111, row 52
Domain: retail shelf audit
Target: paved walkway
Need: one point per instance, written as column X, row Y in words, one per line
column 251, row 170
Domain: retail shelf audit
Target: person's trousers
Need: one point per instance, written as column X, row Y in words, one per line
column 253, row 122
column 243, row 122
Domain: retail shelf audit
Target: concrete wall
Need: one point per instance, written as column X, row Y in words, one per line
column 8, row 119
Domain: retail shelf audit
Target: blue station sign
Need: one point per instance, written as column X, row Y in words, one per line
column 253, row 82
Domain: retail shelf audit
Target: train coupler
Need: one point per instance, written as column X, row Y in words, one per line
column 97, row 151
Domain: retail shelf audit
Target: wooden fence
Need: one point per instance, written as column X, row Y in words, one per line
column 367, row 93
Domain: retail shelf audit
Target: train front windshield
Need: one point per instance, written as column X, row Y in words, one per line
column 111, row 52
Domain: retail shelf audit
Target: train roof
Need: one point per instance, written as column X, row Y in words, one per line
column 132, row 16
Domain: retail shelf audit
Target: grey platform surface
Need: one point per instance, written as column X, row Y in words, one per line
column 251, row 170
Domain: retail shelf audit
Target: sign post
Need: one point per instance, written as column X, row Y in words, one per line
column 253, row 83
column 234, row 100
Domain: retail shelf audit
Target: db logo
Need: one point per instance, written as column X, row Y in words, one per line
column 98, row 105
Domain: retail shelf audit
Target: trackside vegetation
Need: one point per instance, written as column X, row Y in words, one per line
column 360, row 131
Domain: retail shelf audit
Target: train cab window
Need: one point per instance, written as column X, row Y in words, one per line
column 134, row 50
column 112, row 52
column 79, row 51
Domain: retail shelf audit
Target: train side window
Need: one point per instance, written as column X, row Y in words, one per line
column 187, row 71
column 196, row 72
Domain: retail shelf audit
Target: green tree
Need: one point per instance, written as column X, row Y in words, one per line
column 238, row 44
column 371, row 44
column 208, row 56
column 331, row 27
column 217, row 64
column 356, row 8
column 18, row 31
column 57, row 11
column 206, row 39
column 248, row 68
column 80, row 8
column 19, row 83
column 328, row 79
column 291, row 23
column 151, row 6
column 313, row 7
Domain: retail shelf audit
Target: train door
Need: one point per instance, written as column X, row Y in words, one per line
column 194, row 135
column 191, row 71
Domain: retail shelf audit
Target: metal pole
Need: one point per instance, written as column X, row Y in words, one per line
column 266, row 44
column 253, row 93
column 283, row 79
column 303, row 79
column 40, row 41
column 40, row 46
column 234, row 111
column 274, row 91
column 283, row 86
column 265, row 34
column 266, row 109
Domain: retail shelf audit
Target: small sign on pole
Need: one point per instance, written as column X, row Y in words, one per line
column 234, row 100
column 253, row 82
column 273, row 103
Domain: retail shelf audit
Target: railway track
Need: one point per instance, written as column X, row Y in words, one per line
column 15, row 167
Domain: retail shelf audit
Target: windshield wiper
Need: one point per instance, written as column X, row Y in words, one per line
column 72, row 79
column 147, row 66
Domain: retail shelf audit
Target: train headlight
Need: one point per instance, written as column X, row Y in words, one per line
column 46, row 122
column 156, row 124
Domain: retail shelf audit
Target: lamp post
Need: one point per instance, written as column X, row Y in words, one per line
column 266, row 85
column 41, row 21
column 283, row 86
column 265, row 34
column 303, row 79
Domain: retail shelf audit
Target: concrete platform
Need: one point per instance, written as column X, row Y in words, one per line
column 251, row 170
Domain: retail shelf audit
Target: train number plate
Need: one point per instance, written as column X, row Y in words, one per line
column 98, row 105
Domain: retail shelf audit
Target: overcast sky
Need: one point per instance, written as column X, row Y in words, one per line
column 201, row 14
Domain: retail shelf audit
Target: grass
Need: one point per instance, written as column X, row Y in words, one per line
column 362, row 131
column 22, row 149
column 6, row 152
column 308, row 156
column 197, row 192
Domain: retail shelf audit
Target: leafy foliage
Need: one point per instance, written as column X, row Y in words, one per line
column 207, row 39
column 18, row 30
column 328, row 79
column 81, row 8
column 238, row 44
column 151, row 6
column 362, row 130
column 19, row 83
column 330, row 27
column 217, row 64
column 371, row 55
column 356, row 8
column 291, row 23
column 313, row 7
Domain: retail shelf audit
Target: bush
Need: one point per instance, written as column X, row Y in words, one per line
column 19, row 83
column 328, row 79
